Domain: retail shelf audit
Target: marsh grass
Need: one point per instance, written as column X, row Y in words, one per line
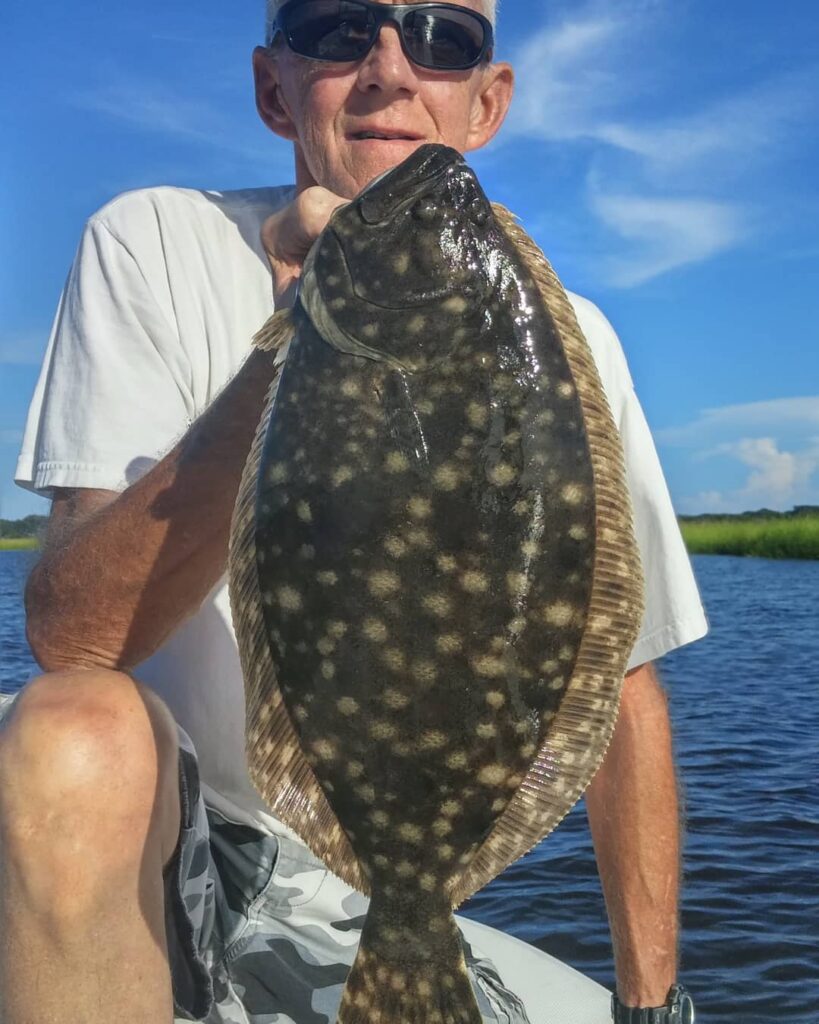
column 18, row 543
column 791, row 537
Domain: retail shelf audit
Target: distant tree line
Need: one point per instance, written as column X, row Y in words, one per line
column 17, row 529
column 798, row 512
column 33, row 526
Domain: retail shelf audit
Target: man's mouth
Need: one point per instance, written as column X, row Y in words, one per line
column 385, row 136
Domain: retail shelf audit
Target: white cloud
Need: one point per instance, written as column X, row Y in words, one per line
column 666, row 187
column 779, row 414
column 665, row 233
column 774, row 444
column 775, row 474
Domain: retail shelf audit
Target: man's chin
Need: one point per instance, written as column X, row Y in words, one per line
column 372, row 157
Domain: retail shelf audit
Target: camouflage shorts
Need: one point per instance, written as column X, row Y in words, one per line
column 260, row 932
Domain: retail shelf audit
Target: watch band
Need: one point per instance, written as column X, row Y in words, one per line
column 678, row 1009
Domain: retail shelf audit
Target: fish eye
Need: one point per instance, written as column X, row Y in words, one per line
column 478, row 212
column 427, row 211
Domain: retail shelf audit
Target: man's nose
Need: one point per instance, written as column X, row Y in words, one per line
column 386, row 66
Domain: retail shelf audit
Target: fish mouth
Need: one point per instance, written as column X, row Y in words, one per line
column 403, row 184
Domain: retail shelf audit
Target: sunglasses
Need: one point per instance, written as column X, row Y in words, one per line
column 441, row 37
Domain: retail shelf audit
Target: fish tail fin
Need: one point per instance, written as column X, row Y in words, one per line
column 398, row 979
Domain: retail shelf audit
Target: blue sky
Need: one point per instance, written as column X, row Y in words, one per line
column 663, row 152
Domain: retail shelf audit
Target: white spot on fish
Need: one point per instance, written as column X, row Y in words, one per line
column 289, row 599
column 487, row 665
column 438, row 604
column 304, row 512
column 419, row 508
column 383, row 582
column 495, row 699
column 573, row 494
column 375, row 630
column 492, row 774
column 432, row 740
column 394, row 658
column 395, row 699
column 327, row 577
column 396, row 462
column 446, row 477
column 477, row 414
column 277, row 473
column 341, row 475
column 424, row 671
column 382, row 731
column 411, row 833
column 449, row 643
column 395, row 546
column 502, row 474
column 324, row 749
column 559, row 613
column 474, row 582
column 347, row 705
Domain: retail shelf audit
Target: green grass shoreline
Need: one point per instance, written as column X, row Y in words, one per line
column 788, row 536
column 783, row 535
column 18, row 543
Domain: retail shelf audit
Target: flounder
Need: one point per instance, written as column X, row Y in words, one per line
column 434, row 576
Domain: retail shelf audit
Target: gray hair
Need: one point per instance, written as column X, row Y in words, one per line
column 489, row 9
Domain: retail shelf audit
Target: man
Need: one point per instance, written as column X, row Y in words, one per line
column 121, row 896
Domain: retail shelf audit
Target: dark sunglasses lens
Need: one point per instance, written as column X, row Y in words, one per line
column 443, row 38
column 329, row 29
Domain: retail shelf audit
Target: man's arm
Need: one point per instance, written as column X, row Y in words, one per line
column 119, row 573
column 634, row 817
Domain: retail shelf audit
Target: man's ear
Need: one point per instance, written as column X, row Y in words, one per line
column 490, row 104
column 269, row 98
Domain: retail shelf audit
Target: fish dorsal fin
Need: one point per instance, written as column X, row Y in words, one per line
column 276, row 763
column 577, row 738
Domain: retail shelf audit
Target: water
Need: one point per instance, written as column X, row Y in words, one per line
column 745, row 708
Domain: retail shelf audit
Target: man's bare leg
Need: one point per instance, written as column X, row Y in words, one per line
column 89, row 815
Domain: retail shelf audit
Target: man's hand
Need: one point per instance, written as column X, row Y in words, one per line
column 289, row 233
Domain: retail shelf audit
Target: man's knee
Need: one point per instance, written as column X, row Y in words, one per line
column 90, row 751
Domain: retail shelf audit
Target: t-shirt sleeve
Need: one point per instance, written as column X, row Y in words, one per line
column 674, row 614
column 111, row 396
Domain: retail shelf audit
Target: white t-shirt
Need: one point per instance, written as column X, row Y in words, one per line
column 167, row 289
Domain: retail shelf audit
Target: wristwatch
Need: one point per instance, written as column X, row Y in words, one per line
column 678, row 1009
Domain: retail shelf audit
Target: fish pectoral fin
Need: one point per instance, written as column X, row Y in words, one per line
column 276, row 332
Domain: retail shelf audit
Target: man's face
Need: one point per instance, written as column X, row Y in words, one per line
column 326, row 109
